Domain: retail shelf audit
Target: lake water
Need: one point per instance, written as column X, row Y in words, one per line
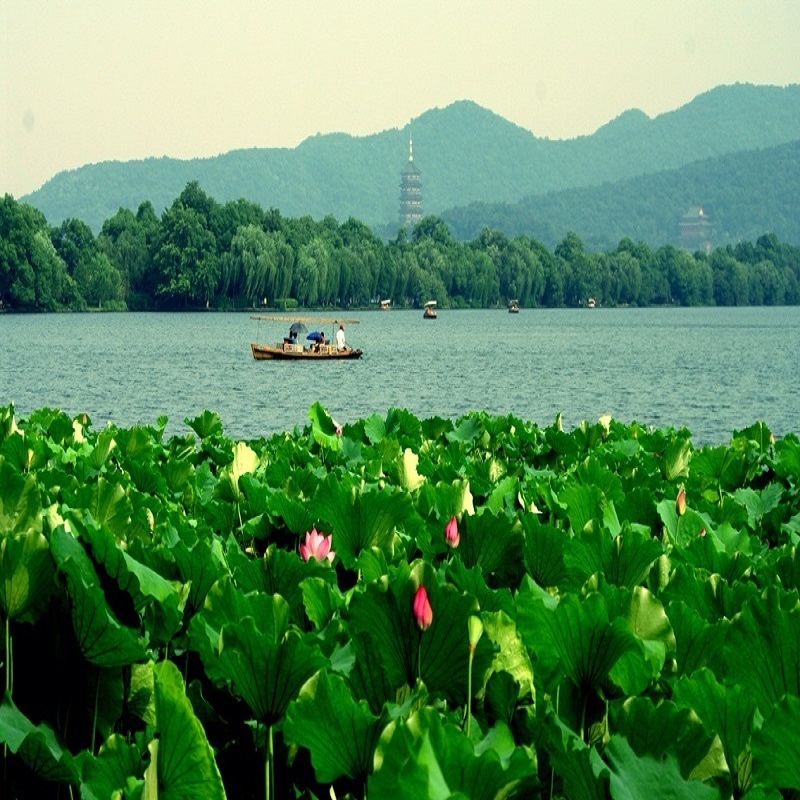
column 713, row 370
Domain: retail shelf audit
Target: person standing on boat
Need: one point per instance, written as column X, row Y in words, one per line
column 340, row 337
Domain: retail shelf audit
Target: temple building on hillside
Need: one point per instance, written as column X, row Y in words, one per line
column 410, row 191
column 696, row 229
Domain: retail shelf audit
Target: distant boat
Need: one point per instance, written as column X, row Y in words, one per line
column 513, row 307
column 591, row 303
column 386, row 305
column 430, row 310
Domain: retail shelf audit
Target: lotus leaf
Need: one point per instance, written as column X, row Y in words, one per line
column 181, row 757
column 36, row 745
column 340, row 732
column 424, row 756
column 726, row 711
column 634, row 777
column 775, row 746
column 102, row 639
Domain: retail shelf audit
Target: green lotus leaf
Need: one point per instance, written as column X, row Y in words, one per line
column 657, row 730
column 624, row 560
column 471, row 581
column 20, row 501
column 726, row 711
column 26, row 575
column 720, row 468
column 368, row 678
column 511, row 657
column 576, row 634
column 775, row 747
column 246, row 640
column 544, row 551
column 152, row 595
column 199, row 566
column 583, row 504
column 787, row 459
column 677, row 455
column 36, row 745
column 584, row 774
column 293, row 513
column 647, row 620
column 762, row 649
column 467, row 429
column 266, row 675
column 759, row 503
column 360, row 519
column 205, row 425
column 102, row 639
column 374, row 428
column 697, row 642
column 177, row 472
column 182, row 759
column 634, row 777
column 340, row 732
column 244, row 462
column 108, row 504
column 26, row 452
column 439, row 655
column 321, row 601
column 278, row 572
column 107, row 774
column 424, row 756
column 490, row 542
column 323, row 428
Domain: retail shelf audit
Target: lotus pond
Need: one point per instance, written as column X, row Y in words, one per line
column 404, row 607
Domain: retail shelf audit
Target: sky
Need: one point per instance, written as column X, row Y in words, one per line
column 84, row 81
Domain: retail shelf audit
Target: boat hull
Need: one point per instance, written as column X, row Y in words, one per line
column 271, row 352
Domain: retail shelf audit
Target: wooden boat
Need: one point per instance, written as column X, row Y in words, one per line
column 292, row 350
column 513, row 307
column 297, row 352
column 386, row 305
column 430, row 310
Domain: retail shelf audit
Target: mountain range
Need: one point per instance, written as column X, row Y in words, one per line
column 735, row 146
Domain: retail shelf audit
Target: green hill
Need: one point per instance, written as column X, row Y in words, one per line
column 466, row 153
column 745, row 194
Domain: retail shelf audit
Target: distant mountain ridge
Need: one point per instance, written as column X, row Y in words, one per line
column 467, row 155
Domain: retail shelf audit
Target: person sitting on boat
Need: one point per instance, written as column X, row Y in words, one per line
column 320, row 342
column 340, row 337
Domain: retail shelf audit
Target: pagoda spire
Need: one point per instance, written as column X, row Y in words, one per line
column 410, row 189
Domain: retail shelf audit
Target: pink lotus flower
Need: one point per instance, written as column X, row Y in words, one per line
column 680, row 502
column 451, row 534
column 317, row 546
column 423, row 613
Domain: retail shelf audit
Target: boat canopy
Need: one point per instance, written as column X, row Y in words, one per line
column 430, row 304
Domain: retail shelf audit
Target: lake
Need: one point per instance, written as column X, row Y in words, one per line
column 713, row 370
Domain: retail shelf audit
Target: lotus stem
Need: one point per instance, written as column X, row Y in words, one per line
column 269, row 768
column 94, row 718
column 469, row 688
column 9, row 675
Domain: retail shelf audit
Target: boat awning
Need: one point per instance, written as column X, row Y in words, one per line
column 430, row 304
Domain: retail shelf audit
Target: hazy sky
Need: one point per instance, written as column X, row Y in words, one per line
column 83, row 81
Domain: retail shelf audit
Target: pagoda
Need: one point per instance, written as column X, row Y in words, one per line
column 410, row 191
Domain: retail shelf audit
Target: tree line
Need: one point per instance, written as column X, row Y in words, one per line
column 201, row 253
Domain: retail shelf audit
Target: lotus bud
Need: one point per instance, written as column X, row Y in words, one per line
column 680, row 502
column 475, row 627
column 423, row 613
column 451, row 534
column 702, row 531
column 317, row 546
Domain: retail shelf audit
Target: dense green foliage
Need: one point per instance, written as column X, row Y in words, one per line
column 399, row 608
column 468, row 155
column 201, row 253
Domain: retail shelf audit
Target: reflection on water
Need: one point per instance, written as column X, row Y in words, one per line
column 711, row 370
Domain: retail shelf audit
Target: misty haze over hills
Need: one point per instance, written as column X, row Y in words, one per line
column 730, row 149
